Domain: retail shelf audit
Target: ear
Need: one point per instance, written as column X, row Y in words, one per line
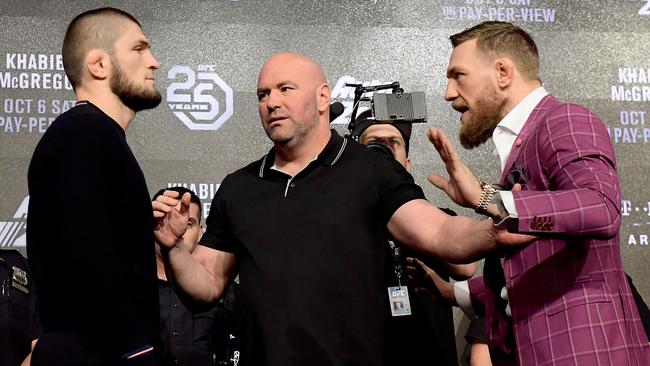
column 408, row 165
column 323, row 94
column 505, row 71
column 97, row 63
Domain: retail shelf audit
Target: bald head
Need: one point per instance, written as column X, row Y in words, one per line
column 293, row 99
column 94, row 29
column 303, row 65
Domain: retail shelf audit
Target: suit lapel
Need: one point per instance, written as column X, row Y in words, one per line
column 540, row 110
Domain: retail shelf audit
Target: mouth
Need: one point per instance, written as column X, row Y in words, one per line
column 462, row 109
column 277, row 119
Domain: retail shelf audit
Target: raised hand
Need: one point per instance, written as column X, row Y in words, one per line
column 172, row 216
column 462, row 187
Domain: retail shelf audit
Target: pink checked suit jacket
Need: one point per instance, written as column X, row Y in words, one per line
column 569, row 298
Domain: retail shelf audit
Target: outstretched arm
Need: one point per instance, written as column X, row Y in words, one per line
column 456, row 239
column 204, row 274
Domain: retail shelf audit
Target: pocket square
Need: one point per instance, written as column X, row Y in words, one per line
column 516, row 176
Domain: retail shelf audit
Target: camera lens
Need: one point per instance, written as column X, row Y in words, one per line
column 381, row 149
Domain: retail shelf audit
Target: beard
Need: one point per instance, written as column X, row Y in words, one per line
column 483, row 118
column 135, row 97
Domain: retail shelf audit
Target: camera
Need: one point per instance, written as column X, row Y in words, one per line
column 381, row 149
column 400, row 107
column 394, row 107
column 397, row 108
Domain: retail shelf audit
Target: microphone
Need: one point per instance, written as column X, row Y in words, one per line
column 336, row 109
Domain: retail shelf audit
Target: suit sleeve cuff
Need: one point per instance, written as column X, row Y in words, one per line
column 463, row 298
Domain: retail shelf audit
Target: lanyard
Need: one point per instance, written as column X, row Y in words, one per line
column 397, row 261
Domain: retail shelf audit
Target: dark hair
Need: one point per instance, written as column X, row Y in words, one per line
column 181, row 190
column 96, row 28
column 504, row 39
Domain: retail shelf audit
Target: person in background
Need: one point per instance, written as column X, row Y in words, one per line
column 194, row 334
column 426, row 336
column 19, row 323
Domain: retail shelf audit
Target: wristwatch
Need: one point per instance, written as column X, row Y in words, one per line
column 488, row 191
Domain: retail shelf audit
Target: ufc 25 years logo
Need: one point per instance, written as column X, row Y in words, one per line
column 200, row 99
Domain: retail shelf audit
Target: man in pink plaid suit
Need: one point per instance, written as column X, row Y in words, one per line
column 563, row 299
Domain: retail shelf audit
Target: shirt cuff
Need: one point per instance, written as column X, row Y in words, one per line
column 463, row 299
column 509, row 203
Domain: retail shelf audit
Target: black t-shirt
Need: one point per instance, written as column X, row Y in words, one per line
column 312, row 254
column 19, row 323
column 90, row 237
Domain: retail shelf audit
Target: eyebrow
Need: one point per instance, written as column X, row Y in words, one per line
column 143, row 42
column 284, row 82
column 398, row 136
column 452, row 70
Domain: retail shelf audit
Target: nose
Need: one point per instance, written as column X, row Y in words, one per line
column 273, row 100
column 450, row 93
column 154, row 63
